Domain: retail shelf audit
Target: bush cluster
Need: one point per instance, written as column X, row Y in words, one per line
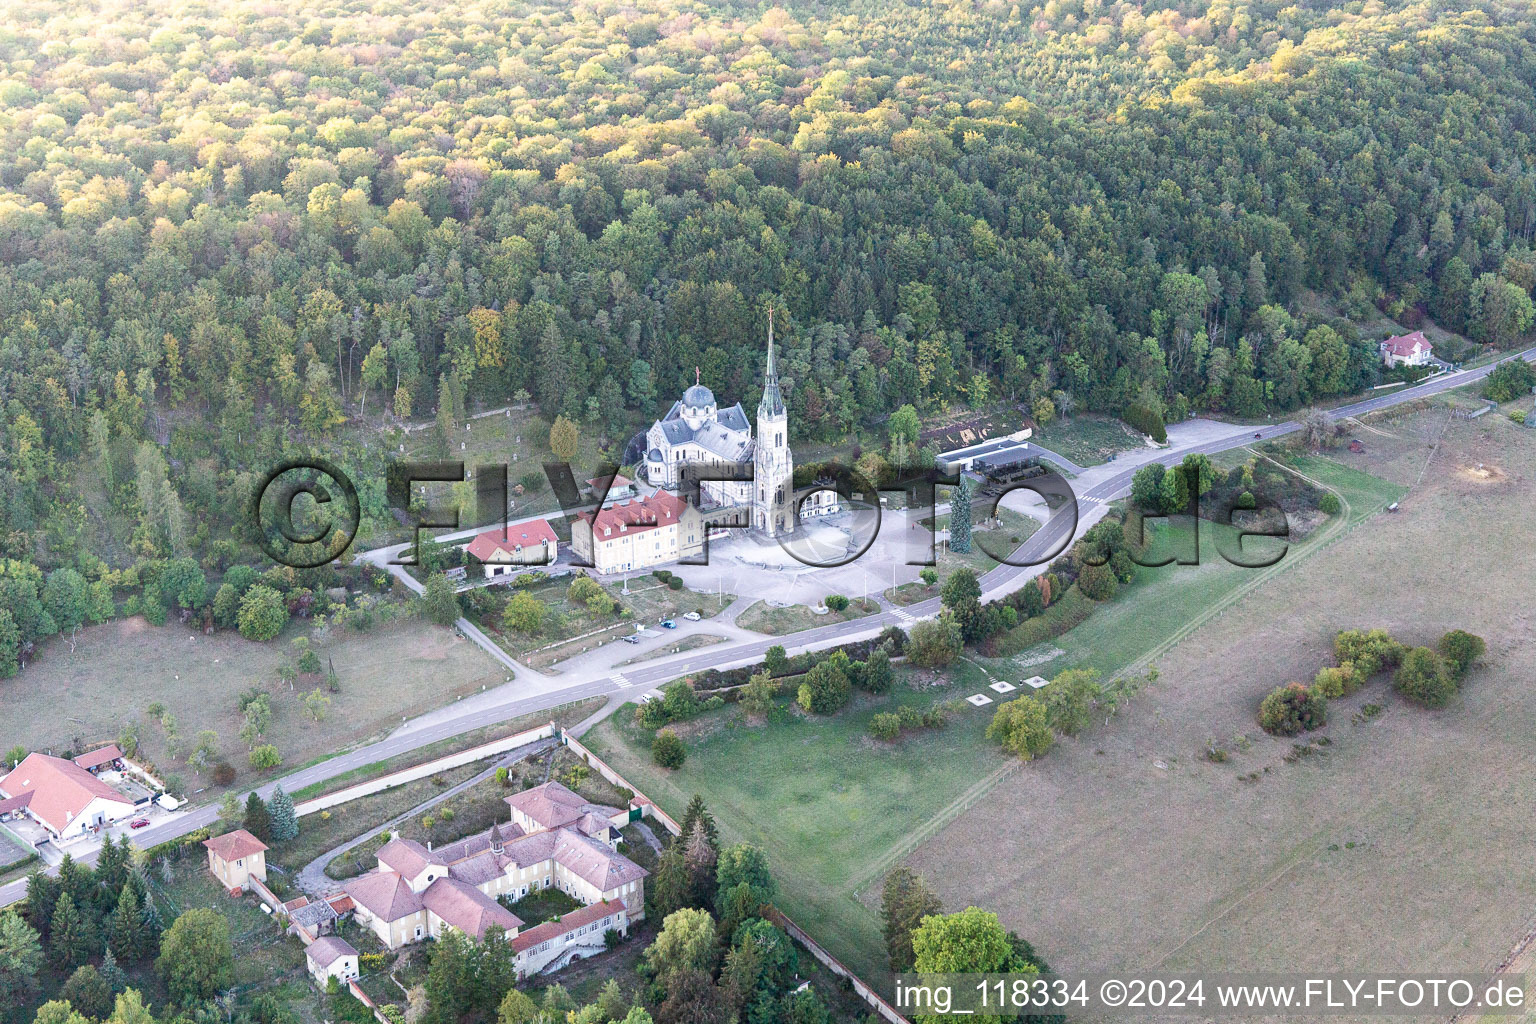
column 887, row 725
column 1429, row 677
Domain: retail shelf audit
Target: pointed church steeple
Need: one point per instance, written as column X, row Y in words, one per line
column 772, row 403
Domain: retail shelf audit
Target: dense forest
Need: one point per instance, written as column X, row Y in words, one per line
column 235, row 230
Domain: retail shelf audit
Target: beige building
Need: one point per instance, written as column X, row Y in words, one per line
column 522, row 544
column 555, row 838
column 331, row 957
column 630, row 535
column 236, row 857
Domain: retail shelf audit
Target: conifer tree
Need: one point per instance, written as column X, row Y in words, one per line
column 125, row 934
column 258, row 819
column 698, row 814
column 113, row 974
column 285, row 823
column 960, row 516
column 69, row 938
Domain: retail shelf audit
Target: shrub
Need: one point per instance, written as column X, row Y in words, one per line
column 826, row 688
column 1329, row 503
column 1334, row 683
column 1460, row 649
column 1424, row 678
column 1291, row 709
column 837, row 602
column 675, row 583
column 223, row 773
column 667, row 750
column 1371, row 651
column 1020, row 726
column 1147, row 420
column 1097, row 582
column 265, row 757
column 876, row 675
column 885, row 726
column 1517, row 415
column 934, row 643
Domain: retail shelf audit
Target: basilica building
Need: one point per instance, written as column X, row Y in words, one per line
column 697, row 431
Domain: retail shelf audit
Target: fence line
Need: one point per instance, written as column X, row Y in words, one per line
column 774, row 914
column 865, row 991
column 639, row 799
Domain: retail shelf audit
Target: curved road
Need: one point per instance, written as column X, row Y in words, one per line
column 532, row 691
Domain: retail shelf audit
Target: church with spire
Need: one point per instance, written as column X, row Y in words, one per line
column 697, row 431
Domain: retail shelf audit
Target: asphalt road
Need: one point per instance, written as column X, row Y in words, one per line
column 638, row 679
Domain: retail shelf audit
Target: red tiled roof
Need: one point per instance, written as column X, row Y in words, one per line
column 659, row 509
column 383, row 894
column 570, row 922
column 407, row 857
column 99, row 756
column 518, row 538
column 341, row 904
column 60, row 789
column 235, row 845
column 1407, row 344
column 467, row 908
column 620, row 481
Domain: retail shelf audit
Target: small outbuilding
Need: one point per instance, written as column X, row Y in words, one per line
column 331, row 957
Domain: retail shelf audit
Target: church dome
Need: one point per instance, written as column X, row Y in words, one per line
column 698, row 397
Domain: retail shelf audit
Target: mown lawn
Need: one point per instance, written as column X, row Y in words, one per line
column 761, row 617
column 827, row 803
column 834, row 810
column 1164, row 604
column 1087, row 440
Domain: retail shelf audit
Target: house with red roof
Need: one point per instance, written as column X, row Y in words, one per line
column 1407, row 350
column 237, row 857
column 61, row 796
column 503, row 552
column 653, row 530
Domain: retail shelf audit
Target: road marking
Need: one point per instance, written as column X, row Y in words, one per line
column 620, row 681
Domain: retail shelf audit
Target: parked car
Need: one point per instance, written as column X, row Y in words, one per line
column 632, row 638
column 693, row 616
column 668, row 624
column 138, row 823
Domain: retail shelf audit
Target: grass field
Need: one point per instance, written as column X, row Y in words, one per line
column 821, row 797
column 1401, row 844
column 761, row 617
column 119, row 668
column 572, row 628
column 1087, row 440
column 835, row 810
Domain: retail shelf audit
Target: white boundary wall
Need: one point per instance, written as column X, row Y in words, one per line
column 421, row 771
